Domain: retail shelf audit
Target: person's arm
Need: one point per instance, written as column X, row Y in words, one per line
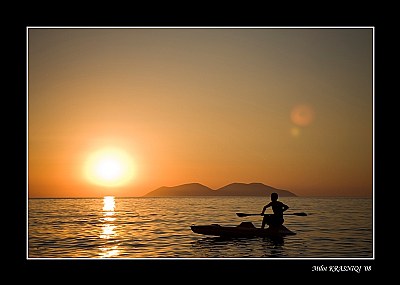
column 265, row 207
column 284, row 207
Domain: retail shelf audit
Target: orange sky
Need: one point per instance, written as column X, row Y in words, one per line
column 290, row 108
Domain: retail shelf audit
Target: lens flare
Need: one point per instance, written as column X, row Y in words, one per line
column 295, row 132
column 302, row 115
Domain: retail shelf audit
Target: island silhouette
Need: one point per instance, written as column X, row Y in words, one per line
column 233, row 189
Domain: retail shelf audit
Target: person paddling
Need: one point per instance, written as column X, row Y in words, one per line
column 275, row 220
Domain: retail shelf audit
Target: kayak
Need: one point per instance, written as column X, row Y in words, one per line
column 245, row 229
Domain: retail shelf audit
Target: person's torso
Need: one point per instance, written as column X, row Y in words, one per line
column 277, row 208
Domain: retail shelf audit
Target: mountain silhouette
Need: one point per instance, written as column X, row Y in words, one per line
column 190, row 189
column 252, row 189
column 234, row 189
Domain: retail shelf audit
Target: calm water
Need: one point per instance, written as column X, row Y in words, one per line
column 160, row 228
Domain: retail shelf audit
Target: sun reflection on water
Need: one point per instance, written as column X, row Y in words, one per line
column 109, row 204
column 109, row 233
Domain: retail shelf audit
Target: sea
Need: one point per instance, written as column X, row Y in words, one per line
column 159, row 228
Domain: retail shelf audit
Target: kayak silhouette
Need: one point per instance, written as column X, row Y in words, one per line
column 244, row 229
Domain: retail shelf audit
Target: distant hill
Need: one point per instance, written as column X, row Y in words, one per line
column 252, row 189
column 234, row 189
column 191, row 189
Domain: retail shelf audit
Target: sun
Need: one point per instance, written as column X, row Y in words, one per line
column 109, row 167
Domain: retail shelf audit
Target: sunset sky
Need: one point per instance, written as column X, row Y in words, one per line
column 123, row 111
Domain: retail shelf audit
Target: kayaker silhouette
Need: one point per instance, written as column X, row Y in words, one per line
column 276, row 219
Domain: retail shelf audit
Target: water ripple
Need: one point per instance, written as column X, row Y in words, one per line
column 160, row 228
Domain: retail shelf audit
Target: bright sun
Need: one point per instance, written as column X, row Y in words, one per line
column 110, row 167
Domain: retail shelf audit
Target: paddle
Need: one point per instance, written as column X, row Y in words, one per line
column 245, row 215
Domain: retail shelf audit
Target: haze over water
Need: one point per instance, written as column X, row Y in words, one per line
column 137, row 228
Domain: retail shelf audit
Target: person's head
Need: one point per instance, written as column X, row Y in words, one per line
column 274, row 196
